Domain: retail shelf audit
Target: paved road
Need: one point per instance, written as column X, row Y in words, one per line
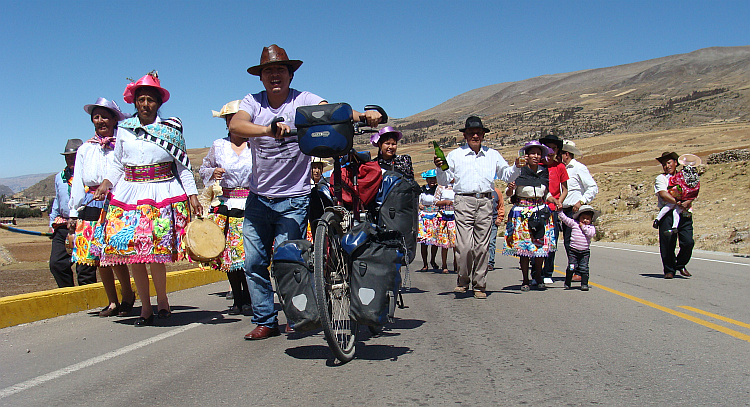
column 634, row 339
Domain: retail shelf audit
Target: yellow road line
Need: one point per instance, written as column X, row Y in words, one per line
column 730, row 332
column 719, row 317
column 682, row 315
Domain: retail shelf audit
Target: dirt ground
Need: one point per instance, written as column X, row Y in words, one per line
column 24, row 260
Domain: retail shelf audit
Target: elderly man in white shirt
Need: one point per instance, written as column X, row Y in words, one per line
column 581, row 188
column 473, row 169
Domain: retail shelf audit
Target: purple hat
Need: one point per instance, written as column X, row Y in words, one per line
column 535, row 143
column 107, row 104
column 385, row 130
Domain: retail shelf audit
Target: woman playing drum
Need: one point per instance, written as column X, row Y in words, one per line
column 229, row 161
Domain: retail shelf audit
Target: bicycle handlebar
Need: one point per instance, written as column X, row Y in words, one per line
column 357, row 124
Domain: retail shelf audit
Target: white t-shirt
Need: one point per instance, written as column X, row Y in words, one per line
column 280, row 169
column 661, row 184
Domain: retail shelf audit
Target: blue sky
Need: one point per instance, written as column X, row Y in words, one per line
column 406, row 56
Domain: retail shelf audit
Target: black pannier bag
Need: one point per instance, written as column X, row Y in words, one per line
column 325, row 130
column 376, row 257
column 293, row 274
column 397, row 208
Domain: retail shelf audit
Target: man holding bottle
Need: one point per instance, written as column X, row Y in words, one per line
column 473, row 169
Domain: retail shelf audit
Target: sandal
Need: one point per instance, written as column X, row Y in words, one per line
column 445, row 271
column 525, row 287
column 423, row 268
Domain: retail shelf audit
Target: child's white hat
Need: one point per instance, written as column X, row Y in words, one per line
column 689, row 159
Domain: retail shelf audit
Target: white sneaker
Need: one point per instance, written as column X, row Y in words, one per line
column 548, row 280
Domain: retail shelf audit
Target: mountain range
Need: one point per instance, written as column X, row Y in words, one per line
column 710, row 85
column 19, row 183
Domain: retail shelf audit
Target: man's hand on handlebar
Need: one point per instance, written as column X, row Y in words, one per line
column 370, row 117
column 278, row 129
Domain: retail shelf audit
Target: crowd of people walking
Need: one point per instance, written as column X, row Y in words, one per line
column 127, row 194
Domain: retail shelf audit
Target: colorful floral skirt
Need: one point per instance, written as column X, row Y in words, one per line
column 145, row 232
column 230, row 221
column 429, row 223
column 86, row 249
column 518, row 239
column 446, row 236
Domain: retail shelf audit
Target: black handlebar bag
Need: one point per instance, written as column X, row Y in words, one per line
column 325, row 130
column 294, row 283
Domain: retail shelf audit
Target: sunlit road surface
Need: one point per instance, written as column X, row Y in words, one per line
column 634, row 339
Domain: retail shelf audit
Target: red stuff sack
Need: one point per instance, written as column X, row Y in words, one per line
column 369, row 178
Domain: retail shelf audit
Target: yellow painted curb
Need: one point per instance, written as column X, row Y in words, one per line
column 23, row 308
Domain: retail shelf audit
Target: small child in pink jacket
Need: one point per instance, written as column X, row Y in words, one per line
column 580, row 243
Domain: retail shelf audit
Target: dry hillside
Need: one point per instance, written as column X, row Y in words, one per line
column 707, row 86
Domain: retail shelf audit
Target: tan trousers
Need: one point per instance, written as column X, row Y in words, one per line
column 473, row 224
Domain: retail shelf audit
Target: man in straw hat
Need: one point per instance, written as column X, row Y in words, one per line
column 582, row 189
column 276, row 208
column 474, row 168
column 60, row 264
column 667, row 239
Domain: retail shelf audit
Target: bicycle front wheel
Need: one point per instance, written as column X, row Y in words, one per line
column 332, row 290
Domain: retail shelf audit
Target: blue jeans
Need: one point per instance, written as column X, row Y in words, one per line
column 493, row 239
column 268, row 223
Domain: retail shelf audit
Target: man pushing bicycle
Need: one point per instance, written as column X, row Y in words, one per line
column 276, row 208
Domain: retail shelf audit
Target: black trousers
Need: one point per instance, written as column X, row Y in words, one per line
column 578, row 262
column 549, row 262
column 238, row 283
column 60, row 263
column 668, row 242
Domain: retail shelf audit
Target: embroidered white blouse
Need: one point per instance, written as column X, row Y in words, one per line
column 238, row 168
column 131, row 150
column 92, row 164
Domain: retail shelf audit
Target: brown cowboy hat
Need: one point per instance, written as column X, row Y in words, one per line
column 667, row 156
column 274, row 55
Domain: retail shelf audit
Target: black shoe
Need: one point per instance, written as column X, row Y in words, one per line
column 108, row 311
column 126, row 307
column 144, row 321
column 165, row 313
column 247, row 310
column 234, row 310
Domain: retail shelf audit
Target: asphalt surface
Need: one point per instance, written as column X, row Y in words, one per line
column 634, row 339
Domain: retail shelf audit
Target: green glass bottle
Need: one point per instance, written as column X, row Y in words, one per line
column 439, row 153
